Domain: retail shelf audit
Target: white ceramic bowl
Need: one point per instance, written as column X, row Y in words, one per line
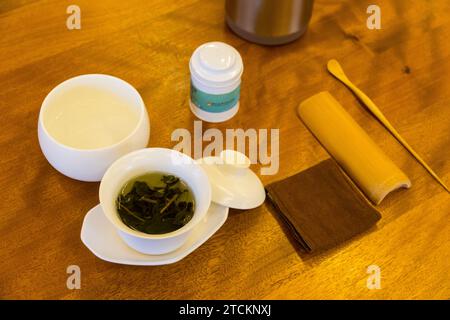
column 91, row 164
column 150, row 160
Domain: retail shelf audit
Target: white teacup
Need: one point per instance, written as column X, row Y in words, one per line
column 91, row 164
column 146, row 161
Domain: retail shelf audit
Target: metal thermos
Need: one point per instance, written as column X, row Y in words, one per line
column 269, row 22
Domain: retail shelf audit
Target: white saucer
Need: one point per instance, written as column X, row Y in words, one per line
column 100, row 237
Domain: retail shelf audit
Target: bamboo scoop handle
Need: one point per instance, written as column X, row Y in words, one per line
column 335, row 69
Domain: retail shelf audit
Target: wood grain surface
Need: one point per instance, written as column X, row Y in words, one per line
column 404, row 68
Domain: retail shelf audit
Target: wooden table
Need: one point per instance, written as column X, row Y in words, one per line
column 404, row 67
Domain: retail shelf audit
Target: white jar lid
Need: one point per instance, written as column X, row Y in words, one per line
column 216, row 64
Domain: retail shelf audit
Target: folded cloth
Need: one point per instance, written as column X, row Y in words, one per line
column 321, row 206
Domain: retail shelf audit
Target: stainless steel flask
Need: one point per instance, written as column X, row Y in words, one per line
column 269, row 22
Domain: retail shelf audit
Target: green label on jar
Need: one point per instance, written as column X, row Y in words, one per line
column 214, row 103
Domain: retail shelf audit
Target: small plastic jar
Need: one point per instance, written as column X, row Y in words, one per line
column 216, row 70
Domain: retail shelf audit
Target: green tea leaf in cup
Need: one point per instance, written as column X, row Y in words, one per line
column 155, row 203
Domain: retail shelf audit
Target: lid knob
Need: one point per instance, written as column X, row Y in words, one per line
column 234, row 162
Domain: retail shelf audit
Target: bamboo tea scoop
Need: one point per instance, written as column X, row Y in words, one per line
column 335, row 69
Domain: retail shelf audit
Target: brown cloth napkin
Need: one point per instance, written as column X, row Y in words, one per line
column 321, row 206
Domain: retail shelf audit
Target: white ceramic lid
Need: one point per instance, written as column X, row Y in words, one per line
column 233, row 184
column 216, row 62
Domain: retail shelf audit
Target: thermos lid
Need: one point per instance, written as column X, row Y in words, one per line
column 233, row 184
column 216, row 63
